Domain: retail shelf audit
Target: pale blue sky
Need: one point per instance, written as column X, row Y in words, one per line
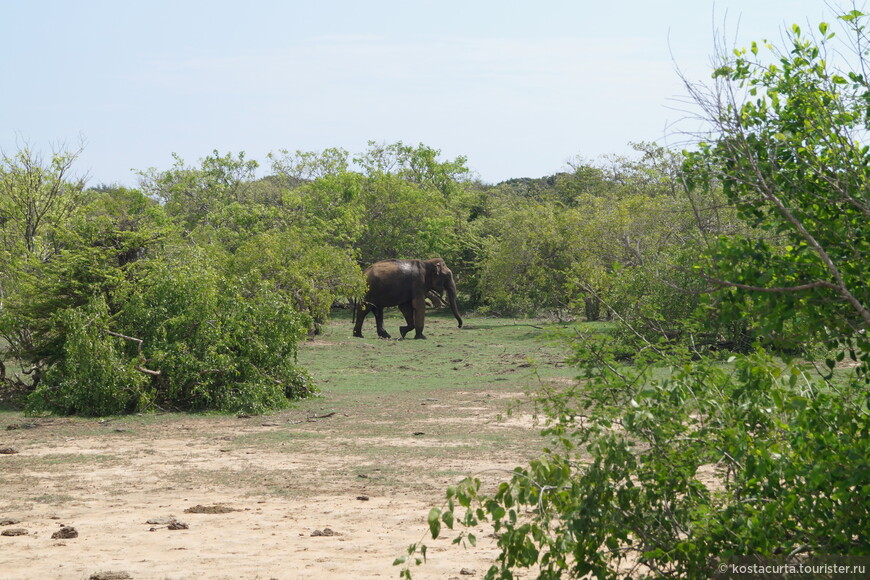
column 519, row 87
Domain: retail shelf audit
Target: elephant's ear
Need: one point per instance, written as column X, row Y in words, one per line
column 440, row 267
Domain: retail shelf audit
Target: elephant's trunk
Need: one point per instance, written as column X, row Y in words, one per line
column 451, row 299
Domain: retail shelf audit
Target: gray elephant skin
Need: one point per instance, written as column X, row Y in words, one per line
column 406, row 284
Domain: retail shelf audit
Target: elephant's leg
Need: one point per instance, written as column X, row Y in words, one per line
column 379, row 321
column 419, row 307
column 408, row 310
column 362, row 310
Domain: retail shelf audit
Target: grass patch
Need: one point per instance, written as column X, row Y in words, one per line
column 52, row 498
column 277, row 440
column 75, row 458
column 486, row 352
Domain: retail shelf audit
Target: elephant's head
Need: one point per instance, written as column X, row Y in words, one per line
column 441, row 281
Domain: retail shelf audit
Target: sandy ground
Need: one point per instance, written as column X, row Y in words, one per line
column 300, row 495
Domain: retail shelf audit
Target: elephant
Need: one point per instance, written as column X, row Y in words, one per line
column 406, row 284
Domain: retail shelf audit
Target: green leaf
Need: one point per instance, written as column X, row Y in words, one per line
column 434, row 522
column 447, row 518
column 853, row 15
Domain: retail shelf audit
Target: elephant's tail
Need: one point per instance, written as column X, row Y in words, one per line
column 353, row 305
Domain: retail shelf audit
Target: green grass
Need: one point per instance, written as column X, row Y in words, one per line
column 53, row 498
column 485, row 353
column 274, row 439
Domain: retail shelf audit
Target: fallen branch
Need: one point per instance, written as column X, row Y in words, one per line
column 313, row 417
column 142, row 358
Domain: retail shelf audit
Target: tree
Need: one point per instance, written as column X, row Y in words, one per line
column 527, row 255
column 194, row 194
column 93, row 251
column 36, row 195
column 608, row 232
column 789, row 146
column 418, row 165
column 313, row 276
column 169, row 332
column 320, row 193
column 110, row 311
column 37, row 199
column 304, row 166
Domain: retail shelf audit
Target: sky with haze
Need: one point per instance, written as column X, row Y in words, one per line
column 518, row 87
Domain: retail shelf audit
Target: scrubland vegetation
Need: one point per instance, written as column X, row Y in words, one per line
column 734, row 274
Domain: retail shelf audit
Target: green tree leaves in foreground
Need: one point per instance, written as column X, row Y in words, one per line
column 668, row 476
column 668, row 467
column 792, row 159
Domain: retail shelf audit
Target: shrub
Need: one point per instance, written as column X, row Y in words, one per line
column 217, row 347
column 93, row 376
column 309, row 275
column 178, row 336
column 667, row 472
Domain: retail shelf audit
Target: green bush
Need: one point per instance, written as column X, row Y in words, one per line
column 179, row 336
column 309, row 275
column 667, row 471
column 217, row 347
column 93, row 376
column 529, row 248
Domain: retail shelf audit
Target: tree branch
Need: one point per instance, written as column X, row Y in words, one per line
column 840, row 286
column 775, row 290
column 142, row 358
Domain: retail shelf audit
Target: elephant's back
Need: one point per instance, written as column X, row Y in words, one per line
column 391, row 282
column 391, row 268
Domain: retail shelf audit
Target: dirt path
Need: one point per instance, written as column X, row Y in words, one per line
column 334, row 489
